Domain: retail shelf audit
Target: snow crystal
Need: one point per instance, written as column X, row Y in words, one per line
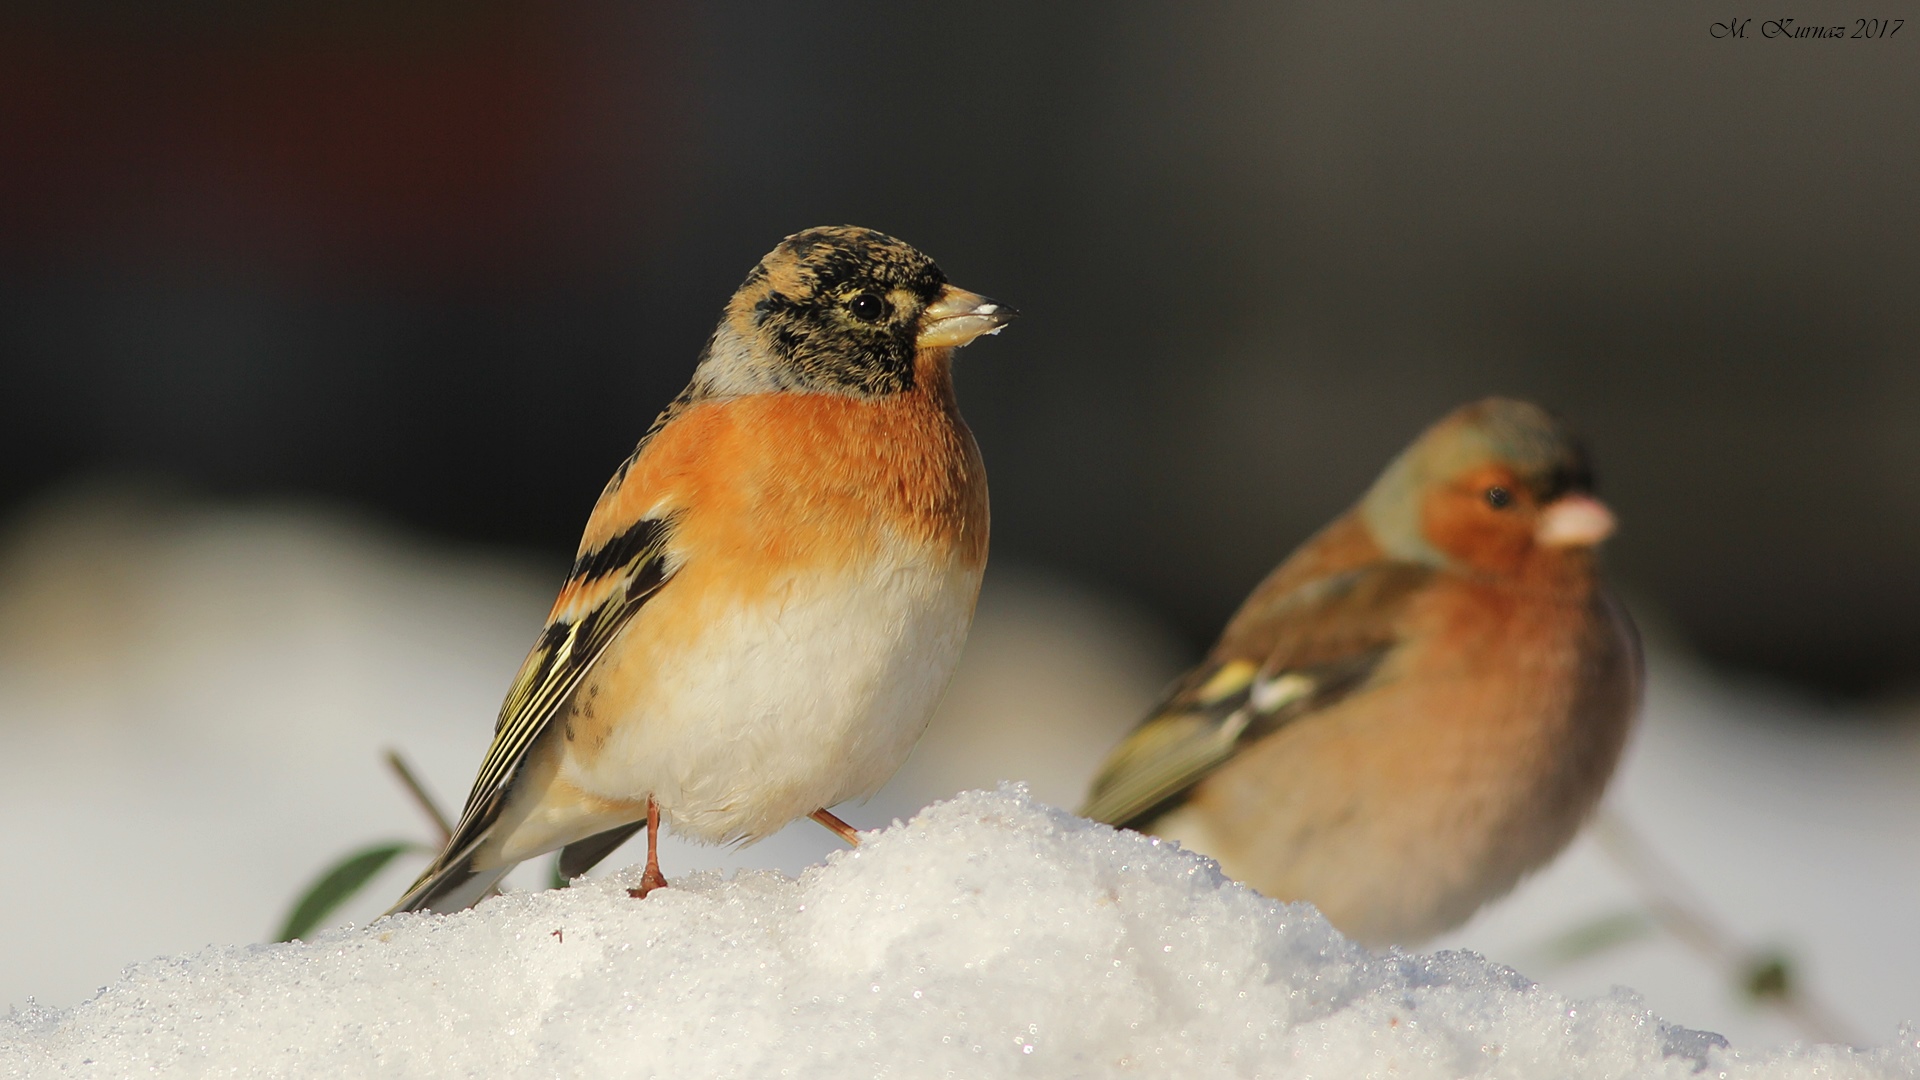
column 991, row 936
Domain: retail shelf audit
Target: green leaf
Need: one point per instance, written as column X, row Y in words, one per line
column 339, row 884
column 1769, row 977
column 1596, row 936
column 556, row 879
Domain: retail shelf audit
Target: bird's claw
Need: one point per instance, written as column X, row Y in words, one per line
column 649, row 881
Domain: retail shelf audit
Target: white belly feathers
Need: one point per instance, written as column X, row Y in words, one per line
column 781, row 706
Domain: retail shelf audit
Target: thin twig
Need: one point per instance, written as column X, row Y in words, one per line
column 419, row 792
column 1687, row 918
column 412, row 783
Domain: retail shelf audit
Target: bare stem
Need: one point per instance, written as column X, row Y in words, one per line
column 419, row 792
column 1678, row 911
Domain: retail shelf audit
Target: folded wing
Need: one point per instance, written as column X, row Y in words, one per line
column 1319, row 643
column 608, row 587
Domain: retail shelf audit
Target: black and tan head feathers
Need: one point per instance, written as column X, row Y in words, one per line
column 836, row 309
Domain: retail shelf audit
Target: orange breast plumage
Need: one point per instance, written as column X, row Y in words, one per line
column 826, row 554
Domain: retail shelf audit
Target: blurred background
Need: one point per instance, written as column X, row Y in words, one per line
column 321, row 326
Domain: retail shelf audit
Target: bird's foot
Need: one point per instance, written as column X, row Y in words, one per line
column 649, row 881
column 840, row 828
column 651, row 878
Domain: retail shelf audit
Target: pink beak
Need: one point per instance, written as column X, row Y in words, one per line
column 1574, row 521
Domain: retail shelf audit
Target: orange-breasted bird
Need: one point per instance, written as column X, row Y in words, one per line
column 772, row 591
column 1419, row 706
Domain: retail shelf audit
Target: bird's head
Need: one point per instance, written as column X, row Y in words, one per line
column 1492, row 487
column 840, row 309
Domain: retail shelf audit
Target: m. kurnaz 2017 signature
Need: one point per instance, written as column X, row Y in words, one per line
column 1793, row 29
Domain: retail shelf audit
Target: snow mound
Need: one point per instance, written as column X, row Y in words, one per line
column 991, row 936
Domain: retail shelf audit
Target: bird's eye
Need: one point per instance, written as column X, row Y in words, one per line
column 1499, row 497
column 867, row 307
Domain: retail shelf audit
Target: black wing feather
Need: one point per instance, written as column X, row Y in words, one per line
column 551, row 673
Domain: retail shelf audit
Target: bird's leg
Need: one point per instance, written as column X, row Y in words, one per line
column 652, row 878
column 840, row 828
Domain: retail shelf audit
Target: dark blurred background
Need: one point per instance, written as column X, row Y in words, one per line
column 443, row 261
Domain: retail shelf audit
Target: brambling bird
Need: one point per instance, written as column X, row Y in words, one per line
column 772, row 591
column 1419, row 706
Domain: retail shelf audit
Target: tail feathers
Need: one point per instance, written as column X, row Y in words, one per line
column 452, row 886
column 583, row 855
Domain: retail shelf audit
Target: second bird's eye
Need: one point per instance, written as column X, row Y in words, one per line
column 1499, row 497
column 867, row 307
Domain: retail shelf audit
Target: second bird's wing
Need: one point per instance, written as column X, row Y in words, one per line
column 1310, row 648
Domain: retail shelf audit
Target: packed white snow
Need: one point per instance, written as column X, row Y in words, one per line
column 992, row 936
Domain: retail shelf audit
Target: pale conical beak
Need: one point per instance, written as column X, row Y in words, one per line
column 1574, row 521
column 957, row 316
